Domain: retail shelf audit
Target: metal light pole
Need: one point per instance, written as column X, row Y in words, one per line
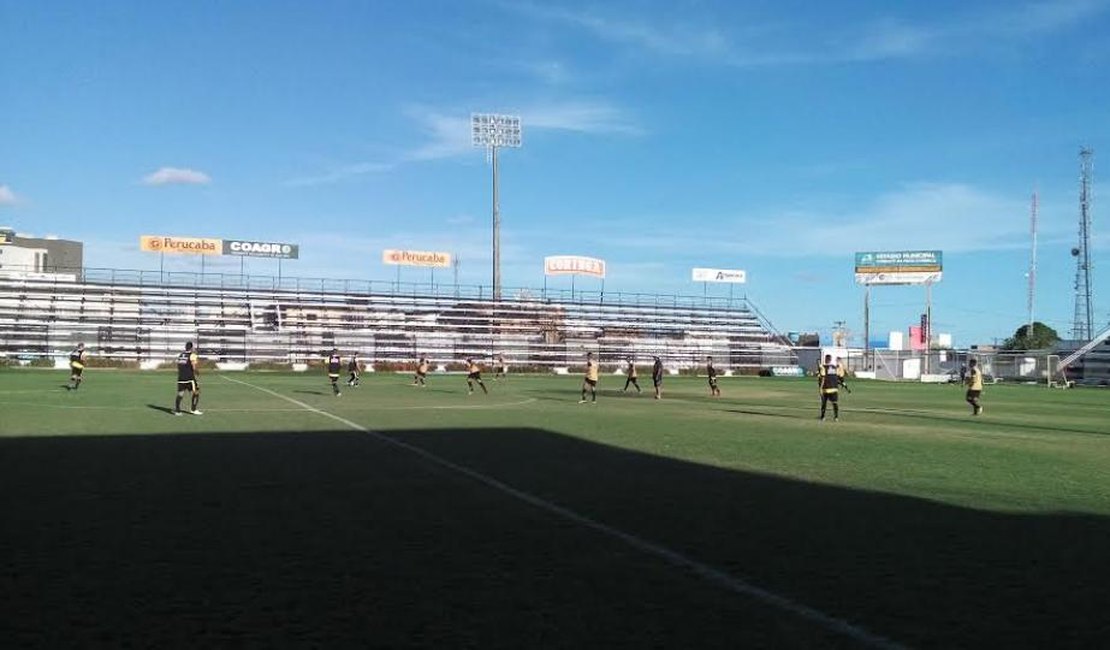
column 494, row 131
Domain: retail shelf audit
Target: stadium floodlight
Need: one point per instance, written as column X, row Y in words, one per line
column 494, row 131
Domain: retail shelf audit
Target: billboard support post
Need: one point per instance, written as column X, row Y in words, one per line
column 866, row 327
column 928, row 334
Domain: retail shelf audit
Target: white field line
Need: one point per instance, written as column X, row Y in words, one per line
column 461, row 407
column 702, row 570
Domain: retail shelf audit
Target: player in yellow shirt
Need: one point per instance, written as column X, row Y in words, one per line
column 974, row 387
column 76, row 366
column 631, row 378
column 474, row 374
column 589, row 382
column 841, row 374
column 420, row 379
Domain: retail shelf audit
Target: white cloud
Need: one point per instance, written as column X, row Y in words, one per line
column 448, row 134
column 176, row 176
column 340, row 174
column 7, row 196
column 755, row 44
column 953, row 217
column 580, row 116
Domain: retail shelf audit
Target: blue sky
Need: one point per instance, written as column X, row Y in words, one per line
column 777, row 137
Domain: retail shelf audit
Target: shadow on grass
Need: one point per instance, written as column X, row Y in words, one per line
column 164, row 409
column 983, row 420
column 310, row 392
column 339, row 539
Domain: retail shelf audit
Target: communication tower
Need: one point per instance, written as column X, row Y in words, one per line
column 1082, row 325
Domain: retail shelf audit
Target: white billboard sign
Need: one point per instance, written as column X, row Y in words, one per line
column 573, row 265
column 737, row 276
column 435, row 259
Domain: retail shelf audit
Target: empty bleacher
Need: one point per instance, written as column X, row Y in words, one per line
column 149, row 316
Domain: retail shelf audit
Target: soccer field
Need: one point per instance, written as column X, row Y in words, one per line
column 396, row 516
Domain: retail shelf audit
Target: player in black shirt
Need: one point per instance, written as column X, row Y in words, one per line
column 657, row 377
column 829, row 385
column 187, row 380
column 335, row 364
column 354, row 370
column 714, row 391
column 76, row 366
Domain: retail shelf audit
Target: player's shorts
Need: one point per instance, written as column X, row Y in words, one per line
column 421, row 373
column 831, row 396
column 591, row 382
column 76, row 370
column 188, row 384
column 974, row 394
column 333, row 375
column 712, row 382
column 658, row 382
column 476, row 376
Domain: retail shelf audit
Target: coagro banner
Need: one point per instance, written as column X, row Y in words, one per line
column 180, row 245
column 249, row 248
column 573, row 265
column 899, row 267
column 738, row 276
column 416, row 258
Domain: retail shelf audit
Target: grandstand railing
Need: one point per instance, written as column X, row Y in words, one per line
column 145, row 314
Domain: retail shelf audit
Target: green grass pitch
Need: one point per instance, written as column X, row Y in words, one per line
column 274, row 519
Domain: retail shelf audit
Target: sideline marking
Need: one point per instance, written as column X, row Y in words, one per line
column 705, row 571
column 461, row 407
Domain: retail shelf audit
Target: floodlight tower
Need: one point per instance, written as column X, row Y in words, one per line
column 1082, row 325
column 493, row 131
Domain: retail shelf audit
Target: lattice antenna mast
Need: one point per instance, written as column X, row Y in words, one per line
column 1083, row 323
column 1032, row 298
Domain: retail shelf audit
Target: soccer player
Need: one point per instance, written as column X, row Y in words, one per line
column 335, row 363
column 354, row 371
column 421, row 373
column 187, row 380
column 589, row 381
column 630, row 378
column 841, row 373
column 76, row 366
column 829, row 382
column 974, row 387
column 714, row 391
column 502, row 368
column 657, row 377
column 474, row 374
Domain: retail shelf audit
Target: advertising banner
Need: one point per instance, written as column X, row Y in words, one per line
column 180, row 245
column 738, row 276
column 899, row 267
column 573, row 265
column 249, row 248
column 416, row 258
